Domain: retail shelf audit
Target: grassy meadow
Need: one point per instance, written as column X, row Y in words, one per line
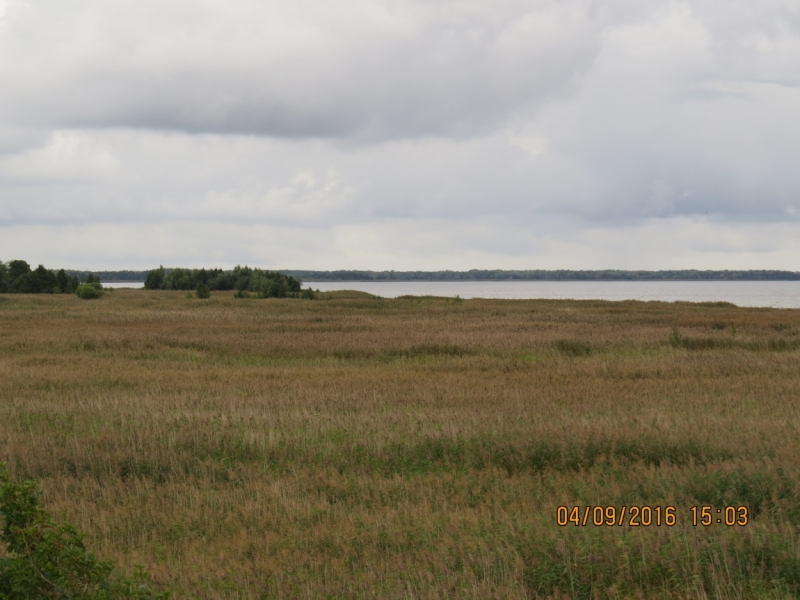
column 357, row 447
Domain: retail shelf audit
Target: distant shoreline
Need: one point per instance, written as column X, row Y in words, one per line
column 543, row 275
column 494, row 275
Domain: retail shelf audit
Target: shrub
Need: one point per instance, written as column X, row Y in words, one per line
column 45, row 559
column 89, row 291
column 574, row 347
column 202, row 291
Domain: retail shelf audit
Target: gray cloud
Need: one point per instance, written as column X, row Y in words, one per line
column 402, row 134
column 306, row 69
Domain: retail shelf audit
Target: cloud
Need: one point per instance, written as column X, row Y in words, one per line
column 303, row 69
column 402, row 133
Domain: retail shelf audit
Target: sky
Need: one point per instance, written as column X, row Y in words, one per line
column 400, row 134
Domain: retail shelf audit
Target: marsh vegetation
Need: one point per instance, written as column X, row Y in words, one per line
column 354, row 447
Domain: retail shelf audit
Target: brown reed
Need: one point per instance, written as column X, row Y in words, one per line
column 358, row 447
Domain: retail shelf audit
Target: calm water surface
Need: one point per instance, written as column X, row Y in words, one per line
column 124, row 284
column 778, row 294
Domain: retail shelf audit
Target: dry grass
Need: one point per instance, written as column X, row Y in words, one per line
column 355, row 447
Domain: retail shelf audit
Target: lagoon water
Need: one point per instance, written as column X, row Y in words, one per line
column 124, row 284
column 777, row 294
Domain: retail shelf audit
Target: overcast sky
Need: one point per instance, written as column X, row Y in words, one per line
column 400, row 134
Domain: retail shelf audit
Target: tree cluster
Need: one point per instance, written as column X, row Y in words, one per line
column 17, row 277
column 244, row 280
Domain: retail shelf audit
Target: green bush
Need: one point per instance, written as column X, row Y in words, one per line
column 47, row 560
column 90, row 291
column 203, row 292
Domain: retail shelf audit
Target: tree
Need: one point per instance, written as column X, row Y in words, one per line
column 45, row 559
column 45, row 279
column 277, row 288
column 40, row 281
column 16, row 269
column 202, row 291
column 62, row 281
column 243, row 279
column 155, row 279
column 3, row 277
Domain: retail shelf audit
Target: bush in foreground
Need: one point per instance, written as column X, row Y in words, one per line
column 45, row 559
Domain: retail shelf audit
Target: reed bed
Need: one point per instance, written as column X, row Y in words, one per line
column 358, row 447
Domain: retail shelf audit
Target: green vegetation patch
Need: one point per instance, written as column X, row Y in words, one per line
column 678, row 340
column 760, row 492
column 535, row 457
column 595, row 563
column 574, row 347
column 446, row 455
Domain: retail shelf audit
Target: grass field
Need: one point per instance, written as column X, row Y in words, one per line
column 355, row 447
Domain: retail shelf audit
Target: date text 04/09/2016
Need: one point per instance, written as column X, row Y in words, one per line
column 646, row 516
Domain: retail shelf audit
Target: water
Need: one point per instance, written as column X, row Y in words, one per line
column 777, row 294
column 124, row 284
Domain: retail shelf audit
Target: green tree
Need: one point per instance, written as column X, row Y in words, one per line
column 3, row 277
column 45, row 280
column 155, row 279
column 277, row 288
column 202, row 291
column 62, row 281
column 74, row 282
column 40, row 281
column 48, row 560
column 16, row 269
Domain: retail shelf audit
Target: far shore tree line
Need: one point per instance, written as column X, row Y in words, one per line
column 547, row 275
